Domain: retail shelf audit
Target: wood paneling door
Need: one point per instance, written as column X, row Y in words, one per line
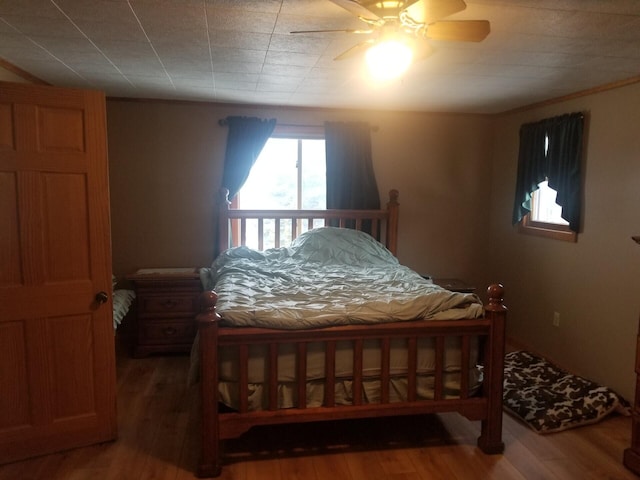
column 57, row 356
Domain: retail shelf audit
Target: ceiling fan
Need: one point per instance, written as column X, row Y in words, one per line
column 410, row 21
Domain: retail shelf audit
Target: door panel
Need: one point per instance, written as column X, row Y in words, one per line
column 57, row 355
column 64, row 260
column 14, row 402
column 10, row 272
column 60, row 130
column 6, row 127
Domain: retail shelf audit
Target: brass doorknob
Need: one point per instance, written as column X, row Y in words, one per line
column 102, row 297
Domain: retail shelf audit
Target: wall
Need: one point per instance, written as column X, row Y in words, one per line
column 594, row 283
column 9, row 76
column 166, row 163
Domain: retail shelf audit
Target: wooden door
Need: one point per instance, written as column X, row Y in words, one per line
column 57, row 356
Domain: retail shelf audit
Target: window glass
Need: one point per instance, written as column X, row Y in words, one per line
column 544, row 206
column 288, row 174
column 314, row 173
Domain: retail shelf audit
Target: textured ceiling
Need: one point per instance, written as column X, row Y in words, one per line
column 241, row 51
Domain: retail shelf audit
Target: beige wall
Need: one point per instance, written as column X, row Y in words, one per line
column 595, row 283
column 9, row 76
column 166, row 162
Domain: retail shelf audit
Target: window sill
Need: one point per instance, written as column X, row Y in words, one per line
column 547, row 230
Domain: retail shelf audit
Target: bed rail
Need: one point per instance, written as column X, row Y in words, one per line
column 286, row 225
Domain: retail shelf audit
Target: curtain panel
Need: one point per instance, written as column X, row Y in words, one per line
column 245, row 140
column 351, row 181
column 551, row 149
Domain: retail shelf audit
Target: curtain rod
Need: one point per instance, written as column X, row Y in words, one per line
column 223, row 123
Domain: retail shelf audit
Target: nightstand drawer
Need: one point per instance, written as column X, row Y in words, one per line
column 167, row 304
column 166, row 331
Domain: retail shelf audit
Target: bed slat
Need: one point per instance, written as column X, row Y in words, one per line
column 330, row 374
column 243, row 378
column 464, row 370
column 273, row 376
column 385, row 377
column 301, row 374
column 260, row 234
column 438, row 377
column 243, row 231
column 374, row 229
column 357, row 371
column 412, row 364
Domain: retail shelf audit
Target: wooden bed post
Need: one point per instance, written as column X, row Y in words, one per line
column 490, row 440
column 392, row 222
column 223, row 221
column 208, row 320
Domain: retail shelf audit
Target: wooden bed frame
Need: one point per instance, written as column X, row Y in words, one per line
column 485, row 405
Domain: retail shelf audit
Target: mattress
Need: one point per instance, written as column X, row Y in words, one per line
column 287, row 385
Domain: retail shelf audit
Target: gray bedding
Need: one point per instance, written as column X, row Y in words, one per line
column 327, row 276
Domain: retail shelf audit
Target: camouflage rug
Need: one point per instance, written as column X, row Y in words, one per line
column 549, row 399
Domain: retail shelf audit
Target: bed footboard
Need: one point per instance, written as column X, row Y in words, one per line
column 484, row 405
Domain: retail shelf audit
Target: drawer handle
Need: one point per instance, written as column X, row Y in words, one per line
column 170, row 331
column 168, row 304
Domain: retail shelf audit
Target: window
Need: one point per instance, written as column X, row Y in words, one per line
column 550, row 149
column 545, row 218
column 290, row 173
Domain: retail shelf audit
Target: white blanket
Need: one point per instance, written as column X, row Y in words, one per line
column 328, row 276
column 122, row 300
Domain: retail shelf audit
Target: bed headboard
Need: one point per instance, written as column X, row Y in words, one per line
column 280, row 227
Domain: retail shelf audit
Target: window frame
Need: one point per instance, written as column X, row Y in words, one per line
column 547, row 230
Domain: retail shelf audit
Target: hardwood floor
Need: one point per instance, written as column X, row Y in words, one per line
column 158, row 439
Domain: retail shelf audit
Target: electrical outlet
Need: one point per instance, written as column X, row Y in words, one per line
column 556, row 319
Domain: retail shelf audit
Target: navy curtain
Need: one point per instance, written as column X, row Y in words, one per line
column 245, row 140
column 565, row 165
column 351, row 181
column 560, row 162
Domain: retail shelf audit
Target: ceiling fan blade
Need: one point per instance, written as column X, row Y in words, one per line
column 357, row 49
column 429, row 11
column 459, row 30
column 340, row 30
column 358, row 10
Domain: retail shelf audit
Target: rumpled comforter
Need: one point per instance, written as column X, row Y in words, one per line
column 327, row 276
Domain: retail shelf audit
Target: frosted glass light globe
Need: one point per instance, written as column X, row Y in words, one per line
column 389, row 59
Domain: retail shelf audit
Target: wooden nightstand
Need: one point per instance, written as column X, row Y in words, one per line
column 454, row 284
column 166, row 306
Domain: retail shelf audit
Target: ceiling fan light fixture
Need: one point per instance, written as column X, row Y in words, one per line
column 388, row 59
